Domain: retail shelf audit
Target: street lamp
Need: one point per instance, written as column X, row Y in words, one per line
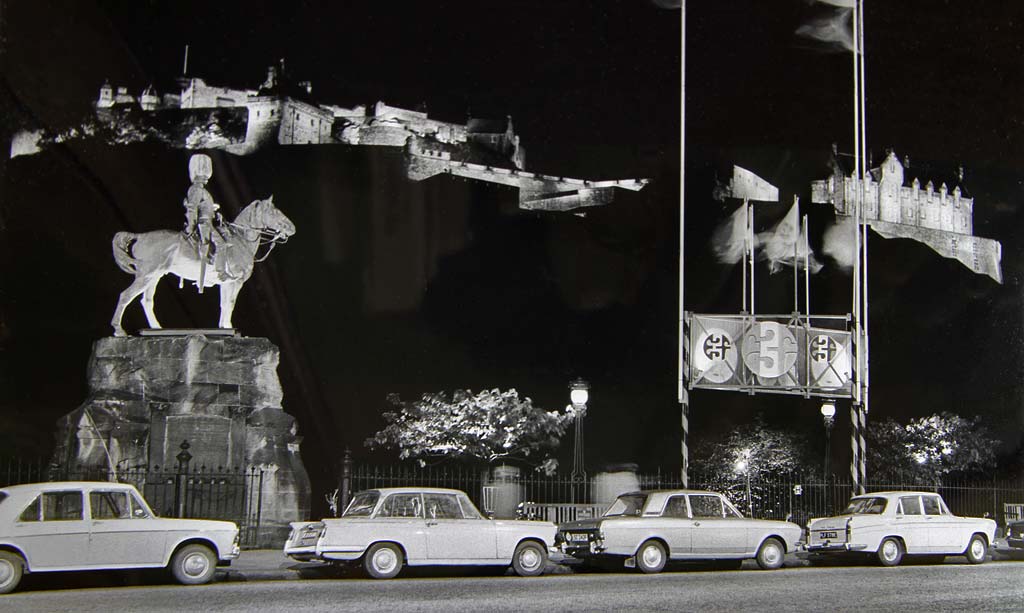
column 579, row 393
column 743, row 466
column 828, row 414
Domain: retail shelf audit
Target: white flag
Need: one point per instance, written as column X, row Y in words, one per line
column 786, row 241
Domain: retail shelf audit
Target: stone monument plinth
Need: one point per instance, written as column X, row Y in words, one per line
column 221, row 394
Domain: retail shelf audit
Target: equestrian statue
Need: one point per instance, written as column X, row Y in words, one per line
column 232, row 245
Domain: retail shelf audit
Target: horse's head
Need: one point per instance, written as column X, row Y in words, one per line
column 269, row 220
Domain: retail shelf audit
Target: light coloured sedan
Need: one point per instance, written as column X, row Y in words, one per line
column 83, row 525
column 889, row 525
column 385, row 529
column 645, row 530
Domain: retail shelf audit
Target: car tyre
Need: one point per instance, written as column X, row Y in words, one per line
column 651, row 557
column 890, row 551
column 529, row 559
column 383, row 560
column 976, row 549
column 771, row 554
column 12, row 567
column 193, row 565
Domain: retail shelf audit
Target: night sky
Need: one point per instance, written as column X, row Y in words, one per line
column 394, row 286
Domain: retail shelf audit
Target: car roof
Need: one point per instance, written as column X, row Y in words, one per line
column 670, row 492
column 50, row 486
column 413, row 490
column 894, row 493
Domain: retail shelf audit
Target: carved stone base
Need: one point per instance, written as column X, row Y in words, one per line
column 221, row 394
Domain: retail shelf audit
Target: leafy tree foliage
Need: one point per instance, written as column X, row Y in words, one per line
column 924, row 450
column 488, row 426
column 754, row 451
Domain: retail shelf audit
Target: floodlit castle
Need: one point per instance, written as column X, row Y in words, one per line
column 283, row 112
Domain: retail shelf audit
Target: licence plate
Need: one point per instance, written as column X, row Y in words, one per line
column 828, row 534
column 573, row 537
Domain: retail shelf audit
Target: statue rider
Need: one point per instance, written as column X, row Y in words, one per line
column 201, row 211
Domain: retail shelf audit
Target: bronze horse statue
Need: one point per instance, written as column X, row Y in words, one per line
column 151, row 255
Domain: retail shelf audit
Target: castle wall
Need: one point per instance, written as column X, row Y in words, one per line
column 890, row 201
column 303, row 124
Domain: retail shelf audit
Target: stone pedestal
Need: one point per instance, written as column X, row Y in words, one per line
column 222, row 395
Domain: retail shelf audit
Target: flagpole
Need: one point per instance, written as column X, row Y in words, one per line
column 796, row 261
column 857, row 197
column 750, row 218
column 683, row 395
column 747, row 248
column 866, row 370
column 807, row 270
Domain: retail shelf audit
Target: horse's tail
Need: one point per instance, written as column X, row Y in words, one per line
column 122, row 245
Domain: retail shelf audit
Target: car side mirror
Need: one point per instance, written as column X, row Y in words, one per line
column 139, row 513
column 490, row 515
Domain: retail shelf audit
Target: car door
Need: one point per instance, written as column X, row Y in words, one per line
column 945, row 532
column 453, row 536
column 912, row 525
column 713, row 534
column 123, row 532
column 399, row 519
column 677, row 526
column 53, row 531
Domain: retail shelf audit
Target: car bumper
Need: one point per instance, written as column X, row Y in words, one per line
column 580, row 550
column 834, row 547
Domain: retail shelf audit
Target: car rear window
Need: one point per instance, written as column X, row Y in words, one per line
column 873, row 505
column 362, row 504
column 628, row 504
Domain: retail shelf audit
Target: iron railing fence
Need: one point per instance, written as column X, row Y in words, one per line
column 192, row 492
column 778, row 496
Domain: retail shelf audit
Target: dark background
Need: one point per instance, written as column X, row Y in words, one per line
column 394, row 286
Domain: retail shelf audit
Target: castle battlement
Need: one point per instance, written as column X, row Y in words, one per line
column 889, row 200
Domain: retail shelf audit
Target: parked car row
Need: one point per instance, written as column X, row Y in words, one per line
column 66, row 526
column 385, row 529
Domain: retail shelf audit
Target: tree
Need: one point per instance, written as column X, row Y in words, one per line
column 489, row 426
column 751, row 454
column 928, row 448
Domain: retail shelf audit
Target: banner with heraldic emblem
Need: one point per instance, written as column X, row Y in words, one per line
column 770, row 353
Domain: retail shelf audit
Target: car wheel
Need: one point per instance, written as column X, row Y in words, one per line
column 771, row 554
column 193, row 565
column 651, row 557
column 12, row 567
column 890, row 552
column 976, row 549
column 529, row 559
column 383, row 560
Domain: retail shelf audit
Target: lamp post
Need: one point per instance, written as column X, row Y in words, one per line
column 743, row 466
column 579, row 393
column 828, row 414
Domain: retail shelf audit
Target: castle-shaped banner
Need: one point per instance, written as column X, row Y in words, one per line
column 941, row 219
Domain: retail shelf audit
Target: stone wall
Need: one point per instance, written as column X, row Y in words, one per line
column 221, row 394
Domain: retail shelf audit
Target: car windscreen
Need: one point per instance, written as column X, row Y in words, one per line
column 873, row 505
column 627, row 504
column 362, row 504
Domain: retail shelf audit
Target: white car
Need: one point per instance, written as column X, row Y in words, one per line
column 390, row 527
column 889, row 525
column 647, row 529
column 81, row 525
